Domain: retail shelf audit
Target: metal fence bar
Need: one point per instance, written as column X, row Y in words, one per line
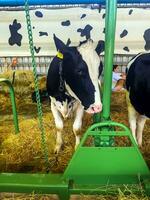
column 58, row 2
column 43, row 62
column 92, row 6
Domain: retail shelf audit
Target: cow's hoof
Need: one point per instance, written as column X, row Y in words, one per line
column 57, row 149
column 139, row 143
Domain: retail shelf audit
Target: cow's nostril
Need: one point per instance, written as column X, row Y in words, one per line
column 97, row 108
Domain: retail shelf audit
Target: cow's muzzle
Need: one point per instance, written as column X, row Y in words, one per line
column 94, row 109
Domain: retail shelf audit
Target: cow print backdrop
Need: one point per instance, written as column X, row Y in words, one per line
column 78, row 23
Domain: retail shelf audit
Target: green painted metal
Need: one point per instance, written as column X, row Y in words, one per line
column 92, row 169
column 37, row 183
column 106, row 165
column 110, row 21
column 54, row 184
column 13, row 102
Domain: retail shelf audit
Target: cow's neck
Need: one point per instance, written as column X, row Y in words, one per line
column 61, row 78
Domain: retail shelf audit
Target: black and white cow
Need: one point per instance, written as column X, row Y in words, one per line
column 138, row 94
column 73, row 85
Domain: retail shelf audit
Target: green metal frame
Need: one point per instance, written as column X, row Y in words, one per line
column 107, row 165
column 13, row 102
column 93, row 169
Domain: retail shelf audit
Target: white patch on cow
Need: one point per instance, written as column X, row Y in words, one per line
column 140, row 126
column 136, row 121
column 59, row 126
column 65, row 107
column 92, row 60
column 58, row 112
column 78, row 123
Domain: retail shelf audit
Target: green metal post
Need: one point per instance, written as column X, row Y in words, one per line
column 13, row 102
column 111, row 10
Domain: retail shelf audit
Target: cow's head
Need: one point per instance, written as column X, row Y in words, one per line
column 81, row 68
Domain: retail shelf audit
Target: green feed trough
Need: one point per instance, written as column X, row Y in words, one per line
column 99, row 166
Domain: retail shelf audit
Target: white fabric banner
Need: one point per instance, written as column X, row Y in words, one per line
column 72, row 25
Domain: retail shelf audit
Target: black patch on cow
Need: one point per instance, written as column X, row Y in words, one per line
column 33, row 27
column 68, row 42
column 39, row 14
column 83, row 15
column 147, row 39
column 86, row 31
column 15, row 37
column 100, row 46
column 130, row 11
column 103, row 16
column 43, row 33
column 65, row 23
column 138, row 84
column 104, row 30
column 37, row 50
column 126, row 49
column 124, row 33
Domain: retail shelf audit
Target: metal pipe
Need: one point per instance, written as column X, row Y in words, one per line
column 110, row 23
column 60, row 2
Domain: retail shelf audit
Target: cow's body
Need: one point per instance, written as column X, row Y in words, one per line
column 138, row 95
column 72, row 84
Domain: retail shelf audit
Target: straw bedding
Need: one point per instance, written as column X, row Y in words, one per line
column 23, row 152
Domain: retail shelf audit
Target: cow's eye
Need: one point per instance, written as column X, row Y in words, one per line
column 70, row 106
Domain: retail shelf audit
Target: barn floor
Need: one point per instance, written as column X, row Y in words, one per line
column 23, row 152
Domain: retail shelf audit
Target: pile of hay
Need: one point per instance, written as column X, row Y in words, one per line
column 21, row 81
column 23, row 151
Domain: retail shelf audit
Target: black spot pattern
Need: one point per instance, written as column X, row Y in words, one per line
column 68, row 42
column 147, row 39
column 43, row 33
column 124, row 33
column 65, row 23
column 86, row 31
column 37, row 49
column 104, row 30
column 39, row 14
column 83, row 15
column 100, row 46
column 15, row 37
column 126, row 49
column 103, row 16
column 130, row 11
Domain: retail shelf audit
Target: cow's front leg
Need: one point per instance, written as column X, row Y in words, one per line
column 78, row 123
column 140, row 126
column 59, row 127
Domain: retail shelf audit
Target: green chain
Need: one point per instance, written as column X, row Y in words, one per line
column 39, row 107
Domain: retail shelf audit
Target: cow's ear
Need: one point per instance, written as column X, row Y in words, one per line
column 100, row 47
column 60, row 46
